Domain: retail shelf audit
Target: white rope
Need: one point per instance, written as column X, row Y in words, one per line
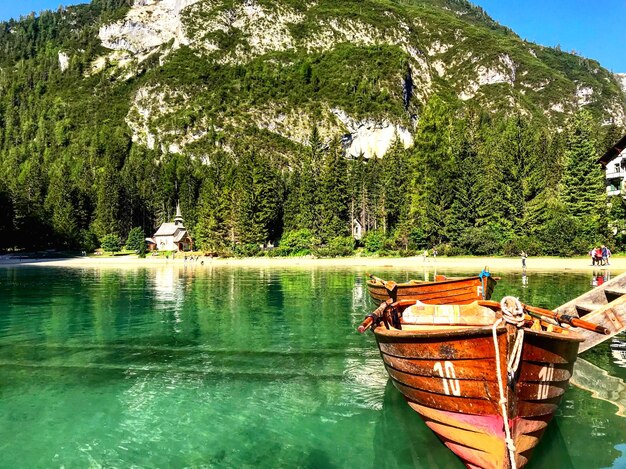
column 513, row 316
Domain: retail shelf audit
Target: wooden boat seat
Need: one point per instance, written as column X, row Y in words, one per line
column 458, row 315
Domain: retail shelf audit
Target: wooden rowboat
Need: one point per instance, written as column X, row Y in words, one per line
column 444, row 290
column 456, row 367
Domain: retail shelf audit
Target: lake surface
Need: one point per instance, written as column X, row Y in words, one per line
column 241, row 368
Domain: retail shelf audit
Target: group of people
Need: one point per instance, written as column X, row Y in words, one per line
column 425, row 254
column 600, row 256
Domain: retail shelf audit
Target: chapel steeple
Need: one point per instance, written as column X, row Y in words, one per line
column 178, row 219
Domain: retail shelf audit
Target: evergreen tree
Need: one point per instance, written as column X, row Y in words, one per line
column 464, row 209
column 394, row 176
column 258, row 193
column 583, row 182
column 333, row 195
column 433, row 169
column 136, row 240
column 214, row 228
column 302, row 196
column 111, row 243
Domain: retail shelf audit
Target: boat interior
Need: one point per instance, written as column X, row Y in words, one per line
column 417, row 316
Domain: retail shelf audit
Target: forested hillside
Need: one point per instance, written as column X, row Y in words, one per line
column 259, row 118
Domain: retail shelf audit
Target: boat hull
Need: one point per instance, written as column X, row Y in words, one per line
column 450, row 378
column 462, row 290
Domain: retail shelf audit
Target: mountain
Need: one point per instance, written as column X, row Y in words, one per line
column 350, row 67
column 244, row 111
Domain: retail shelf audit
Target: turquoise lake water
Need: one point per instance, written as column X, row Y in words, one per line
column 242, row 368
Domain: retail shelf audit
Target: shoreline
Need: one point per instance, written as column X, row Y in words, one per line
column 468, row 264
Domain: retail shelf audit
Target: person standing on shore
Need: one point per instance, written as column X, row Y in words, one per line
column 606, row 253
column 592, row 253
column 524, row 256
column 598, row 256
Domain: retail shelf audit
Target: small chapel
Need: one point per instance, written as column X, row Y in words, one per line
column 171, row 236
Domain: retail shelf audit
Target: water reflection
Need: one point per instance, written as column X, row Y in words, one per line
column 590, row 428
column 360, row 295
column 168, row 284
column 599, row 277
column 600, row 384
column 618, row 351
column 404, row 440
column 260, row 355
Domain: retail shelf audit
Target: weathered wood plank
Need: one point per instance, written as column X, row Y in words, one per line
column 612, row 316
column 604, row 306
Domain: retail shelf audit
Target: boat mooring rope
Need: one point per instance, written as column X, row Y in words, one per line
column 513, row 316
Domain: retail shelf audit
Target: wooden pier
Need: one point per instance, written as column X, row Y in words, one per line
column 604, row 306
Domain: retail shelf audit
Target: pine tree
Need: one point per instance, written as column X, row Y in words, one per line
column 333, row 194
column 583, row 181
column 136, row 240
column 214, row 227
column 394, row 175
column 302, row 196
column 464, row 210
column 258, row 206
column 433, row 167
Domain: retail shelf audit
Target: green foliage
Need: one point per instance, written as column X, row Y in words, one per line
column 482, row 241
column 333, row 206
column 337, row 247
column 531, row 246
column 110, row 243
column 247, row 250
column 562, row 236
column 485, row 174
column 433, row 170
column 584, row 193
column 374, row 241
column 298, row 243
column 417, row 239
column 136, row 240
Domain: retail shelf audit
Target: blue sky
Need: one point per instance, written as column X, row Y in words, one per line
column 17, row 8
column 592, row 28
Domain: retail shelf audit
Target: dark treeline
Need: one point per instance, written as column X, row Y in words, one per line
column 474, row 182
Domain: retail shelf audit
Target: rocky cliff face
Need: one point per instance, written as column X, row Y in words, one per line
column 448, row 50
column 621, row 79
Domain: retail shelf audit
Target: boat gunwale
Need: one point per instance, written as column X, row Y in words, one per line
column 471, row 331
column 416, row 283
column 449, row 331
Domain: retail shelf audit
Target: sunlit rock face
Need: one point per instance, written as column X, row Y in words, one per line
column 64, row 61
column 371, row 138
column 148, row 25
column 433, row 58
column 621, row 78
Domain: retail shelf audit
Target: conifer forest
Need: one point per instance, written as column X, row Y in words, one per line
column 474, row 182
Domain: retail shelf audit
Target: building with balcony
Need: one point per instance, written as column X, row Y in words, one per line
column 614, row 164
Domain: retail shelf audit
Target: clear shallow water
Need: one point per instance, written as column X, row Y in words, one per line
column 201, row 367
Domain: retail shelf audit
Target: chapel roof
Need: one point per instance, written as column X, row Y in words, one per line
column 180, row 235
column 168, row 229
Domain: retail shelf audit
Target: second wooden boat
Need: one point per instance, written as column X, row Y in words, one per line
column 485, row 377
column 443, row 290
